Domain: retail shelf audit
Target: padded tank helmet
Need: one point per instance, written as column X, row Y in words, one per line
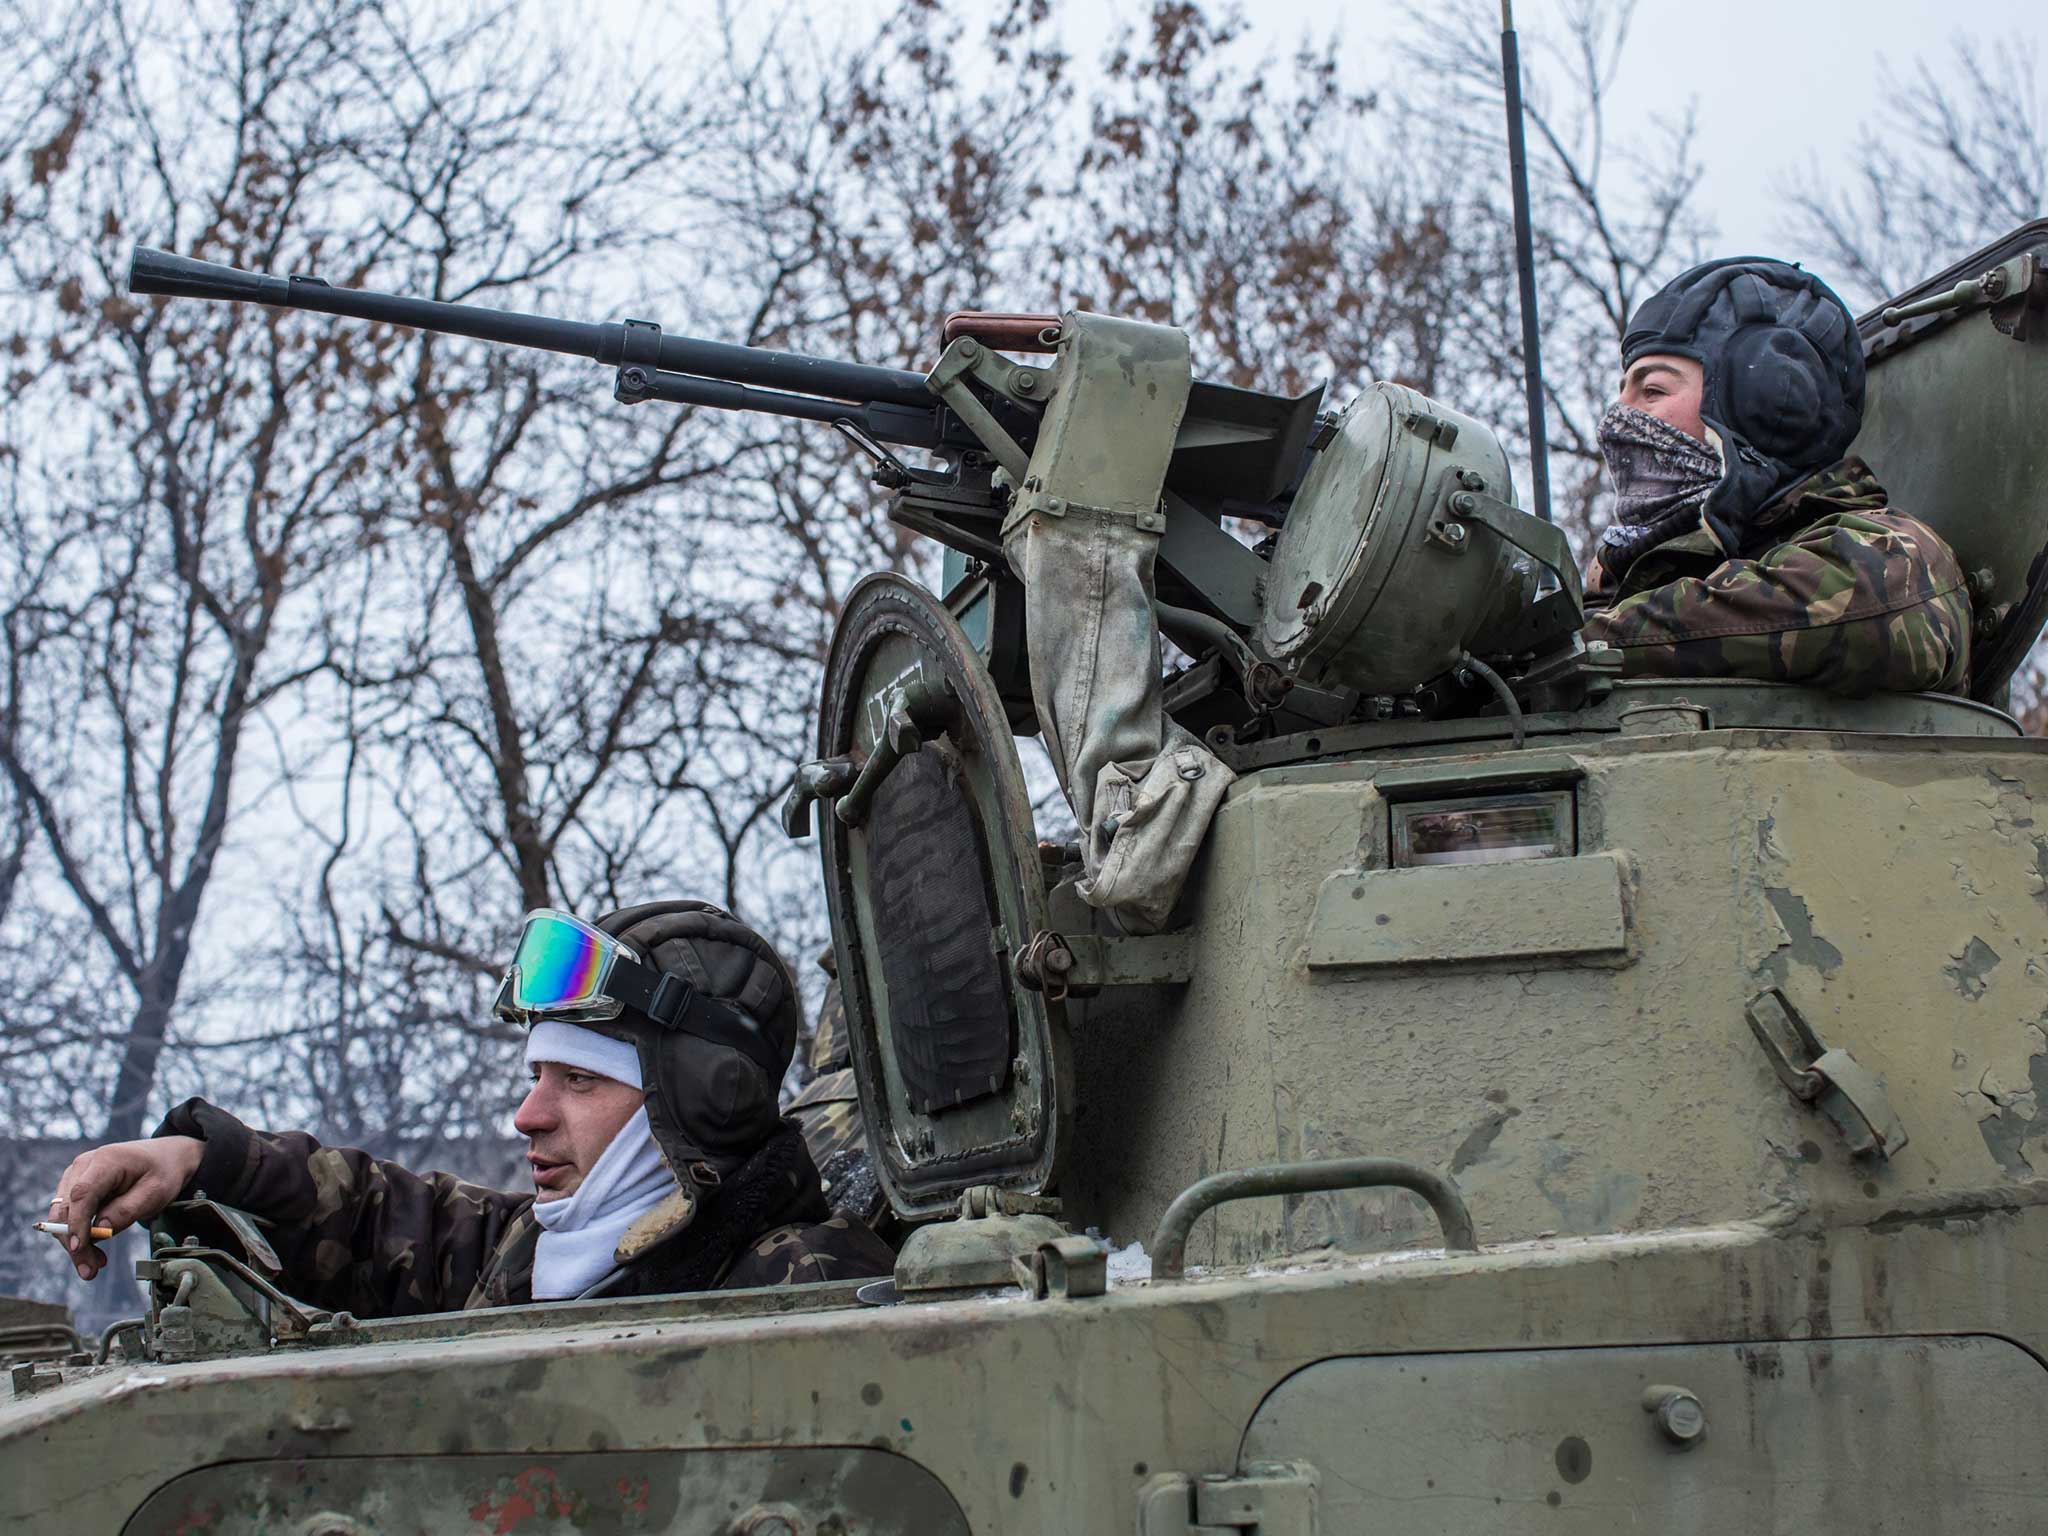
column 1783, row 384
column 710, row 1104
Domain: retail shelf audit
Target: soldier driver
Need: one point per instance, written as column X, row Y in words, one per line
column 1743, row 543
column 657, row 1041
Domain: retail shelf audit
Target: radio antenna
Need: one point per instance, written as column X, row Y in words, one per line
column 1525, row 261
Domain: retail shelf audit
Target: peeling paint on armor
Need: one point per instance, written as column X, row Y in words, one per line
column 1801, row 941
column 1973, row 964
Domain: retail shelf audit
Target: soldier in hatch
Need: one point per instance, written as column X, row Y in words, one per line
column 656, row 1043
column 1744, row 544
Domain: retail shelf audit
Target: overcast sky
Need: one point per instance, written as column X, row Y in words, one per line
column 1779, row 84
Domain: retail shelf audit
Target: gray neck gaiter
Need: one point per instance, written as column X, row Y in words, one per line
column 1662, row 479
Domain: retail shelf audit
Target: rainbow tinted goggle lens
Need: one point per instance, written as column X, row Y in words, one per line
column 561, row 970
column 565, row 969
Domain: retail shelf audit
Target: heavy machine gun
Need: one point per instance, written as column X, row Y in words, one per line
column 1403, row 580
column 890, row 405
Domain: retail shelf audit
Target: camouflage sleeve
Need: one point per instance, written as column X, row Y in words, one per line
column 839, row 1248
column 1857, row 602
column 351, row 1231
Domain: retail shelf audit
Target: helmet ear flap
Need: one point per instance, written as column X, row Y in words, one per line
column 720, row 956
column 1776, row 391
column 710, row 1105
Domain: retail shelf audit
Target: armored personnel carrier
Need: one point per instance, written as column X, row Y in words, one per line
column 1535, row 1100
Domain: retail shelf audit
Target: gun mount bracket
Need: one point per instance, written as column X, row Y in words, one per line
column 1545, row 543
column 1080, row 965
column 965, row 359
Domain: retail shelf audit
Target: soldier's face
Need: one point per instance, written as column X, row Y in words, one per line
column 1670, row 389
column 568, row 1118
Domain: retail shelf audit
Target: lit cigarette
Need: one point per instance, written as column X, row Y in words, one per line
column 63, row 1229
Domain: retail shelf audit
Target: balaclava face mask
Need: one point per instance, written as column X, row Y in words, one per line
column 1662, row 479
column 1783, row 380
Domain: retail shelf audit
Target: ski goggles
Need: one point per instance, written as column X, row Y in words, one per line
column 565, row 969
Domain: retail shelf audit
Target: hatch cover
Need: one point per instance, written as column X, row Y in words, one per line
column 933, row 888
column 1953, row 425
column 1866, row 1435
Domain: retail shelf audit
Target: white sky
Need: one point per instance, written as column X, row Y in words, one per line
column 1779, row 84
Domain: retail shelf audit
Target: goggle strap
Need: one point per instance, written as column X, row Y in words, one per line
column 673, row 1003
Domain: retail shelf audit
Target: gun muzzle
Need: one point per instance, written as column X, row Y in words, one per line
column 182, row 277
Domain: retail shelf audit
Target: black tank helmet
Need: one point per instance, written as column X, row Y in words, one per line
column 1783, row 379
column 710, row 1104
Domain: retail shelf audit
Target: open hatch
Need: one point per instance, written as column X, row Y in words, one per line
column 933, row 880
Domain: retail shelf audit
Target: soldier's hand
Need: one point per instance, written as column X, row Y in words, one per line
column 118, row 1185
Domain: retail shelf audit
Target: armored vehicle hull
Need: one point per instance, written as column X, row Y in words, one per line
column 1861, row 1335
column 1871, row 1366
column 1568, row 1035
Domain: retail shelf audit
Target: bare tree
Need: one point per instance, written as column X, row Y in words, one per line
column 535, row 614
column 174, row 539
column 1213, row 194
column 615, row 619
column 169, row 614
column 1954, row 162
column 1615, row 216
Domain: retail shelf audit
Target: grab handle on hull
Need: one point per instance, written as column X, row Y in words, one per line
column 1170, row 1242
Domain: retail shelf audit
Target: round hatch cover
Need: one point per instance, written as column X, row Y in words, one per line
column 933, row 881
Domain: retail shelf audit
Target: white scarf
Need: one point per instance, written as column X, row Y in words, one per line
column 580, row 1232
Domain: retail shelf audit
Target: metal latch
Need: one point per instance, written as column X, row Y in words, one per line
column 1276, row 1498
column 1066, row 1268
column 1832, row 1080
column 1065, row 965
column 1431, row 429
column 2012, row 290
column 827, row 779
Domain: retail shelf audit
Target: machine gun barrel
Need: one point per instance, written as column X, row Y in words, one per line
column 620, row 345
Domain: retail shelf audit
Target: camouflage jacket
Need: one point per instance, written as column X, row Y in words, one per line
column 355, row 1232
column 1855, row 597
column 828, row 1110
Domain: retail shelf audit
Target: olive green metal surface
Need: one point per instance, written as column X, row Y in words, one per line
column 1792, row 1437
